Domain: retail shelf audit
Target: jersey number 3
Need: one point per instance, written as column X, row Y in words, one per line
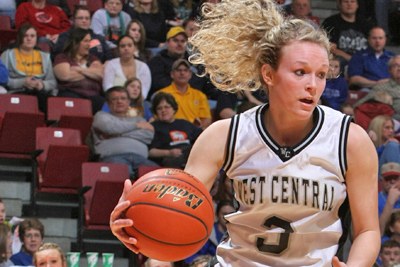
column 272, row 222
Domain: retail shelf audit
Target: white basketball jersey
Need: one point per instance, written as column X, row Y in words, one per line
column 289, row 198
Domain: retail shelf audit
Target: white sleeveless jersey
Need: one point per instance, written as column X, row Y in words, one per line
column 289, row 198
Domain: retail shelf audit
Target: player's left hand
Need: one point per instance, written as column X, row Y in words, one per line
column 337, row 263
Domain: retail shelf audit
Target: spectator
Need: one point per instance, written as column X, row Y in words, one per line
column 183, row 8
column 226, row 106
column 30, row 70
column 336, row 88
column 120, row 138
column 79, row 73
column 388, row 199
column 390, row 254
column 347, row 109
column 98, row 45
column 196, row 13
column 110, row 21
column 63, row 4
column 153, row 20
column 5, row 245
column 49, row 254
column 124, row 67
column 173, row 138
column 31, row 233
column 190, row 26
column 2, row 212
column 160, row 65
column 391, row 87
column 3, row 77
column 393, row 25
column 49, row 20
column 201, row 261
column 138, row 106
column 301, row 9
column 156, row 263
column 348, row 32
column 210, row 247
column 8, row 7
column 369, row 67
column 192, row 104
column 138, row 33
column 381, row 131
column 392, row 232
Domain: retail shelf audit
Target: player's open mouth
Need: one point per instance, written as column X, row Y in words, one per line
column 307, row 101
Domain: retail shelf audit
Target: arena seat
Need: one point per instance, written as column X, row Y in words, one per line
column 19, row 118
column 73, row 113
column 102, row 184
column 58, row 164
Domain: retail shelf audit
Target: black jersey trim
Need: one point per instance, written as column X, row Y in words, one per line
column 318, row 117
column 231, row 142
column 344, row 133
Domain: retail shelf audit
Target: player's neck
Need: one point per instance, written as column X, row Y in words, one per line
column 285, row 131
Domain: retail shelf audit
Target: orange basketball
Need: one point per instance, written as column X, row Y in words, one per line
column 172, row 214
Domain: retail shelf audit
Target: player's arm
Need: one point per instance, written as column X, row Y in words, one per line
column 204, row 162
column 362, row 188
column 207, row 155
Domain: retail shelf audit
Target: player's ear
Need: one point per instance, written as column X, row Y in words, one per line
column 266, row 73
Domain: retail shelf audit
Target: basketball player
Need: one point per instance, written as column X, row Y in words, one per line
column 293, row 164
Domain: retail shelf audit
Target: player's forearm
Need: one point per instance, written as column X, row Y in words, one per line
column 365, row 248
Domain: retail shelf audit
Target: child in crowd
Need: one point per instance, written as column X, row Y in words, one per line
column 5, row 246
column 49, row 254
column 389, row 255
column 138, row 106
column 336, row 88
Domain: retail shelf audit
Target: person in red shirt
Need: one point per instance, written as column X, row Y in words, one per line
column 49, row 20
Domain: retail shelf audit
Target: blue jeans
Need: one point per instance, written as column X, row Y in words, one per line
column 131, row 159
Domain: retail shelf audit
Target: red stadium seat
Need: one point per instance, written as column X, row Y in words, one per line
column 102, row 186
column 5, row 22
column 19, row 118
column 58, row 167
column 7, row 38
column 73, row 113
column 19, row 103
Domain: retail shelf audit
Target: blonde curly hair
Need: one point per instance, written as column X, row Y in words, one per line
column 237, row 37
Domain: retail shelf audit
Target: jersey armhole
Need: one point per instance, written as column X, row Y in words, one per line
column 344, row 132
column 231, row 143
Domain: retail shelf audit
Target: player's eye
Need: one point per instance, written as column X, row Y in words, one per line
column 299, row 72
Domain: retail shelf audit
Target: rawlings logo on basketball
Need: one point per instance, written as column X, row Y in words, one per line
column 192, row 201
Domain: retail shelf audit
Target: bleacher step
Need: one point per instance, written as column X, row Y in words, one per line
column 15, row 190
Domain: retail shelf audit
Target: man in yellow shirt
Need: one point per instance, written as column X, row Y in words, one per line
column 192, row 103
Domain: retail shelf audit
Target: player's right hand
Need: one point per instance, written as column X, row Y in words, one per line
column 118, row 223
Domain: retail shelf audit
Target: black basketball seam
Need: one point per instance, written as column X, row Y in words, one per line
column 167, row 243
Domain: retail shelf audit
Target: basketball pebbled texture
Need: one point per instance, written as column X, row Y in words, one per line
column 172, row 213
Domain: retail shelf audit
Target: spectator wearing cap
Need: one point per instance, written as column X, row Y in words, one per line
column 389, row 197
column 192, row 104
column 160, row 65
